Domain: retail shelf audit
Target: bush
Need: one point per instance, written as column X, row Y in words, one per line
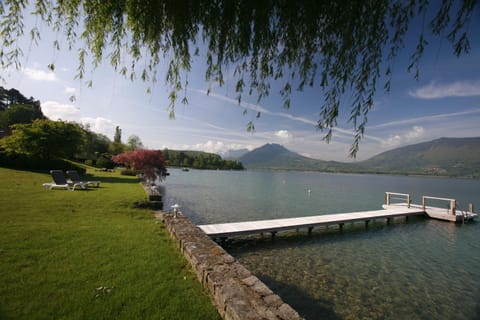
column 23, row 162
column 103, row 162
column 129, row 172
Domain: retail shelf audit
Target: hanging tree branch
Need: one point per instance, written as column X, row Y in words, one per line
column 336, row 46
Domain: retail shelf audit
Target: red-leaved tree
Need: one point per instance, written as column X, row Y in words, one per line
column 150, row 162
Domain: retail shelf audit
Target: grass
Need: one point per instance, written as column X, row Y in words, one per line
column 89, row 254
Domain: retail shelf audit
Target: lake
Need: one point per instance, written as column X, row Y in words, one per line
column 420, row 269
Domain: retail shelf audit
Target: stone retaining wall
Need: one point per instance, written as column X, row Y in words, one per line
column 235, row 291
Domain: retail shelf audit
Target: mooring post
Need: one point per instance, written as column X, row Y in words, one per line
column 310, row 230
column 273, row 234
column 389, row 220
column 341, row 226
column 366, row 223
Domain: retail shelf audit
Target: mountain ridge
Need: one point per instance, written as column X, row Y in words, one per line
column 440, row 157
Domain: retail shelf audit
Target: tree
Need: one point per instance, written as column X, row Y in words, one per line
column 13, row 96
column 134, row 142
column 151, row 162
column 94, row 145
column 117, row 138
column 20, row 113
column 44, row 139
column 336, row 46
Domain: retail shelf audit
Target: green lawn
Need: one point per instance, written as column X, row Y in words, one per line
column 89, row 254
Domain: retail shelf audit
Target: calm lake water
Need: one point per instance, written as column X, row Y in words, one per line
column 420, row 269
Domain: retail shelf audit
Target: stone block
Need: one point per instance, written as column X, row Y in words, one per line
column 260, row 288
column 250, row 281
column 285, row 312
column 273, row 301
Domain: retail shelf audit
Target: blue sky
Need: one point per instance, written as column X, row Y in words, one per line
column 445, row 102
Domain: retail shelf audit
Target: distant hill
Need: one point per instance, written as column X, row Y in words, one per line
column 275, row 156
column 445, row 157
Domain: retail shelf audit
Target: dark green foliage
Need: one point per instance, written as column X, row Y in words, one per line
column 335, row 46
column 129, row 172
column 16, row 108
column 105, row 161
column 12, row 96
column 44, row 139
column 19, row 113
column 117, row 138
column 94, row 144
column 199, row 160
column 25, row 162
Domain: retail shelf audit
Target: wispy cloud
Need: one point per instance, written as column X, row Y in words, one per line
column 257, row 108
column 39, row 75
column 455, row 89
column 425, row 118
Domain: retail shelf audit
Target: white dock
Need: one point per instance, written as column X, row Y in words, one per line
column 390, row 211
column 250, row 227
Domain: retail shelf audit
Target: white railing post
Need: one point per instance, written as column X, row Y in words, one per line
column 423, row 203
column 387, row 198
column 453, row 205
column 408, row 201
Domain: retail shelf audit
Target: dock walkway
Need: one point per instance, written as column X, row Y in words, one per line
column 250, row 227
column 390, row 211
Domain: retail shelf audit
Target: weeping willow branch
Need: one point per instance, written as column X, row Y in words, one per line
column 334, row 46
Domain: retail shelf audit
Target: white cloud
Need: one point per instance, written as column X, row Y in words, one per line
column 70, row 90
column 211, row 146
column 55, row 110
column 411, row 136
column 283, row 134
column 100, row 125
column 455, row 89
column 39, row 75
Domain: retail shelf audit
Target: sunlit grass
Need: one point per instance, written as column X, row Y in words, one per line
column 89, row 254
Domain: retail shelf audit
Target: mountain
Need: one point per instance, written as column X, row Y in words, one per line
column 275, row 156
column 445, row 157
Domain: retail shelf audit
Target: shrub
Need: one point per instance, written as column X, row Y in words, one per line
column 129, row 172
column 104, row 162
column 24, row 162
